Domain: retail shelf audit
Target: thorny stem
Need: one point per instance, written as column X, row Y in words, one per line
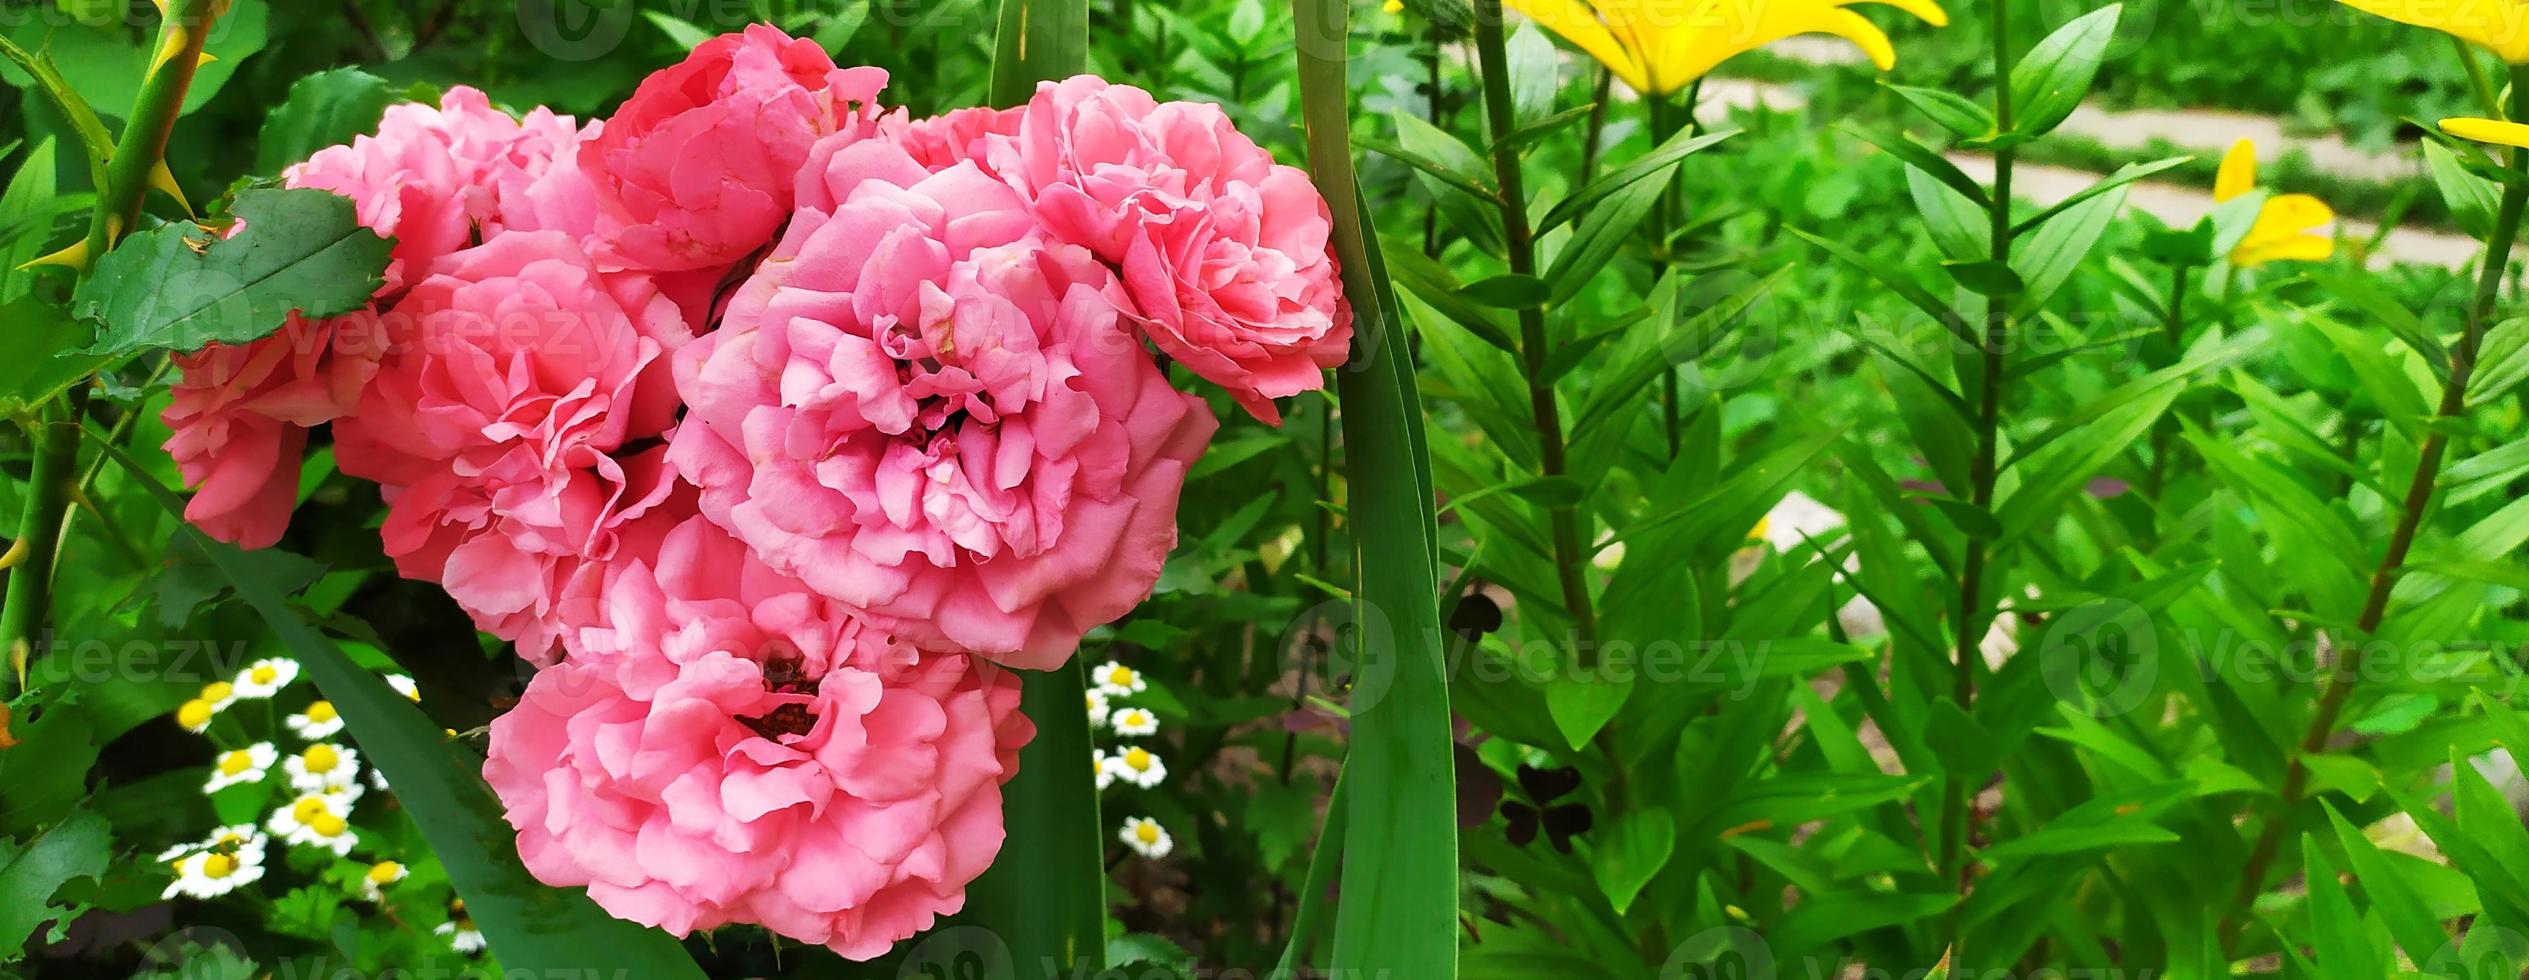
column 1521, row 244
column 51, row 482
column 2347, row 672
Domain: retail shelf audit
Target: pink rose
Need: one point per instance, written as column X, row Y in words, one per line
column 935, row 416
column 240, row 415
column 948, row 139
column 508, row 426
column 729, row 747
column 430, row 176
column 1223, row 252
column 695, row 170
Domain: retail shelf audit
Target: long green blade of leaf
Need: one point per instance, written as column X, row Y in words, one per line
column 1398, row 916
column 532, row 928
column 1038, row 40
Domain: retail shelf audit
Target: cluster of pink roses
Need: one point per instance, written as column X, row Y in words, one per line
column 773, row 425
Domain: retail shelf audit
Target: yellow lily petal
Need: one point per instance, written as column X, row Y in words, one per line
column 2500, row 26
column 2493, row 131
column 1771, row 22
column 2285, row 229
column 2238, row 174
column 1579, row 24
column 2298, row 248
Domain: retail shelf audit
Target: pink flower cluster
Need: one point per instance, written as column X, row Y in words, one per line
column 774, row 426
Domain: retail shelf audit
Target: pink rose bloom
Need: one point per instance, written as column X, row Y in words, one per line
column 729, row 747
column 429, row 176
column 1223, row 252
column 948, row 139
column 935, row 416
column 508, row 426
column 695, row 170
column 240, row 415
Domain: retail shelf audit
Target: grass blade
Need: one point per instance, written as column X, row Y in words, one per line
column 1038, row 40
column 534, row 929
column 1398, row 916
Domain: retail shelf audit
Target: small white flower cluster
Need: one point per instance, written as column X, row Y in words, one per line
column 325, row 780
column 1109, row 684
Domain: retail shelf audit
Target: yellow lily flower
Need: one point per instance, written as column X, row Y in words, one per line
column 2493, row 131
column 2499, row 26
column 2287, row 226
column 1658, row 46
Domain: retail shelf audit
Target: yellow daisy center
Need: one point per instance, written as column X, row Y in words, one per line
column 1136, row 717
column 327, row 825
column 264, row 674
column 218, row 691
column 1139, row 759
column 385, row 872
column 194, row 714
column 321, row 712
column 218, row 866
column 308, row 808
column 236, row 763
column 320, row 758
column 1147, row 833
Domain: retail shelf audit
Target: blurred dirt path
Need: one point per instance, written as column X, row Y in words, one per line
column 2177, row 204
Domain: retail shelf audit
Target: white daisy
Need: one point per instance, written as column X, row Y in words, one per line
column 1097, row 709
column 266, row 677
column 246, row 765
column 462, row 936
column 377, row 779
column 322, row 767
column 378, row 876
column 219, row 694
column 1146, row 837
column 1135, row 721
column 1118, row 680
column 212, row 874
column 319, row 722
column 1106, row 774
column 318, row 820
column 1138, row 766
column 404, row 685
column 231, row 857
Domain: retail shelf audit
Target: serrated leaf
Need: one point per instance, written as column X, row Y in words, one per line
column 323, row 109
column 80, row 846
column 301, row 251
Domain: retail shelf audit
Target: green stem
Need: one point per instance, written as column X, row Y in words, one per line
column 2347, row 673
column 1521, row 244
column 52, row 481
column 2173, row 334
column 1432, row 115
column 1596, row 129
column 1956, row 820
column 2478, row 80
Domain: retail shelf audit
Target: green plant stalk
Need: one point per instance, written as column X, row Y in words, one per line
column 1956, row 821
column 1520, row 242
column 1596, row 129
column 1398, row 912
column 2419, row 491
column 2173, row 331
column 53, row 478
